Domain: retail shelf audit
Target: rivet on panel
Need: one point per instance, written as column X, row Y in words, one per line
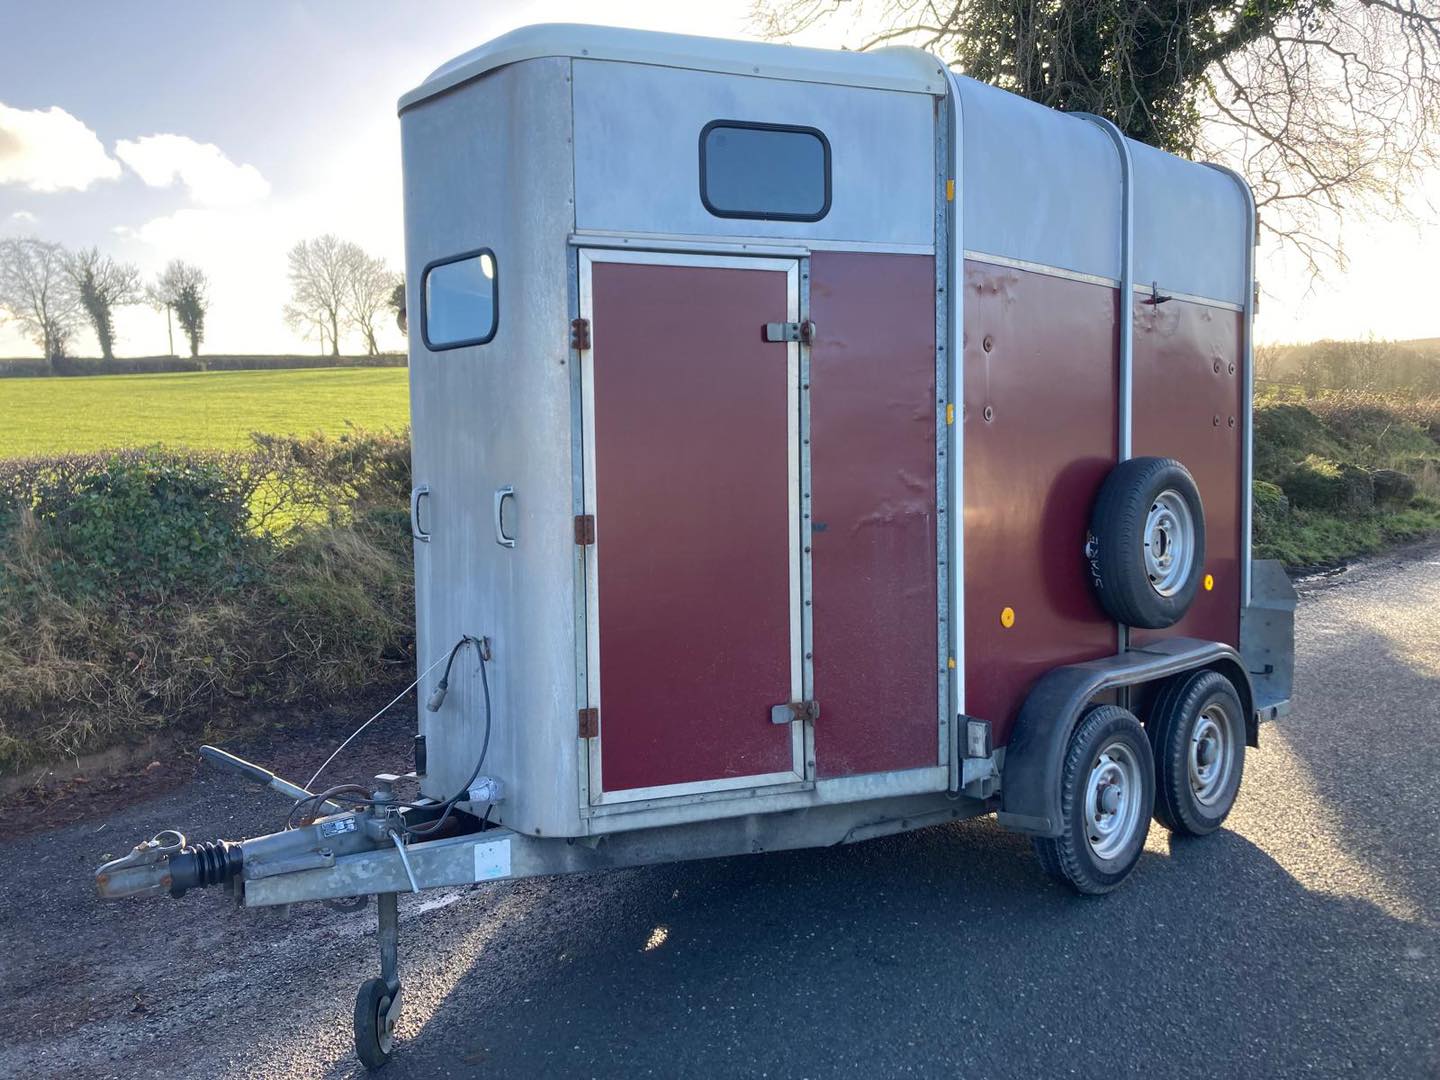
column 990, row 415
column 1007, row 617
column 1217, row 420
column 1217, row 367
column 988, row 343
column 1232, row 367
column 1209, row 582
column 1232, row 421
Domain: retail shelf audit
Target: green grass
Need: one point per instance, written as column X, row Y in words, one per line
column 1306, row 538
column 201, row 409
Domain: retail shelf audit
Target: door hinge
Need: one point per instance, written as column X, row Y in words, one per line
column 585, row 529
column 579, row 334
column 795, row 710
column 589, row 723
column 803, row 332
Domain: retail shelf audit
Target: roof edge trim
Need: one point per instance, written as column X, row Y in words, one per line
column 898, row 68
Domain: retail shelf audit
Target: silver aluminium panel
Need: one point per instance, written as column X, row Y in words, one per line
column 489, row 165
column 637, row 145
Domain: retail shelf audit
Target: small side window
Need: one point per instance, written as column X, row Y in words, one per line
column 768, row 172
column 461, row 302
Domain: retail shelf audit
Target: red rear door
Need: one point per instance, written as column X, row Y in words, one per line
column 692, row 475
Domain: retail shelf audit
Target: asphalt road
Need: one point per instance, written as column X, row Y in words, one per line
column 1299, row 941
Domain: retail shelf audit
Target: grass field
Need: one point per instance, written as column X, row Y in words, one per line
column 201, row 409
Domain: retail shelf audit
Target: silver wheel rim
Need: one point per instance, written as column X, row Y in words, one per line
column 1212, row 755
column 1169, row 542
column 386, row 1026
column 1113, row 800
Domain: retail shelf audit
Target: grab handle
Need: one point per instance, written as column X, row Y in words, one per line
column 501, row 494
column 415, row 530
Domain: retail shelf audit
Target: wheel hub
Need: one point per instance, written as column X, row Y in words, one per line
column 1169, row 543
column 1112, row 800
column 1212, row 755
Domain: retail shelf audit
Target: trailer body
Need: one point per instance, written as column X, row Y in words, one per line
column 990, row 304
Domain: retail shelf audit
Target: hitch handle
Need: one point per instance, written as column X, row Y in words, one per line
column 251, row 771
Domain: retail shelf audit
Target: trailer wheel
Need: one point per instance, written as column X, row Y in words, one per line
column 374, row 1027
column 1107, row 793
column 1197, row 733
column 1146, row 546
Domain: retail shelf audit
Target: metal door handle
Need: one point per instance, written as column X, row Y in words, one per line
column 415, row 530
column 501, row 494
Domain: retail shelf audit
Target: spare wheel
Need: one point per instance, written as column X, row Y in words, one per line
column 1146, row 546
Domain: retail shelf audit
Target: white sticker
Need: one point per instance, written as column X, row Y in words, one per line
column 492, row 860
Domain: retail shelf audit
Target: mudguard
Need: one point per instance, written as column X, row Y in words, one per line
column 1030, row 782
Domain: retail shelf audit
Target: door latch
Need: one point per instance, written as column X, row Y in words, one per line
column 795, row 710
column 803, row 332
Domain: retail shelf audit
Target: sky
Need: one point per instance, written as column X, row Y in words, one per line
column 222, row 133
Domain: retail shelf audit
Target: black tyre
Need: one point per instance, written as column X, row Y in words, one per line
column 1197, row 733
column 1107, row 794
column 374, row 1035
column 1146, row 546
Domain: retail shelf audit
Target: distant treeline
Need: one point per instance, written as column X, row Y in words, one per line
column 18, row 367
column 1370, row 365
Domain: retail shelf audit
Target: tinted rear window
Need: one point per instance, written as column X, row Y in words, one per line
column 768, row 172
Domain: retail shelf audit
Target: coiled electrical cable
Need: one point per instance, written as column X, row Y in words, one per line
column 356, row 795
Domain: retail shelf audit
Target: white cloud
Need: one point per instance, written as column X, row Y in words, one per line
column 25, row 217
column 50, row 150
column 211, row 178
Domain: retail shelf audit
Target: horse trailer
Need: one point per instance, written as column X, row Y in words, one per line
column 808, row 446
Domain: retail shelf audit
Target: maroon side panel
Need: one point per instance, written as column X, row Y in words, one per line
column 1188, row 406
column 1049, row 377
column 692, row 523
column 872, row 466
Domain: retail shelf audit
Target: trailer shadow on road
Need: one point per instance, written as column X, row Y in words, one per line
column 942, row 952
column 1303, row 938
column 1364, row 738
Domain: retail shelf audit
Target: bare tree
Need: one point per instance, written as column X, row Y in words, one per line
column 306, row 323
column 37, row 293
column 103, row 285
column 1267, row 361
column 1372, row 363
column 1323, row 105
column 320, row 273
column 184, row 290
column 1311, row 370
column 367, row 294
